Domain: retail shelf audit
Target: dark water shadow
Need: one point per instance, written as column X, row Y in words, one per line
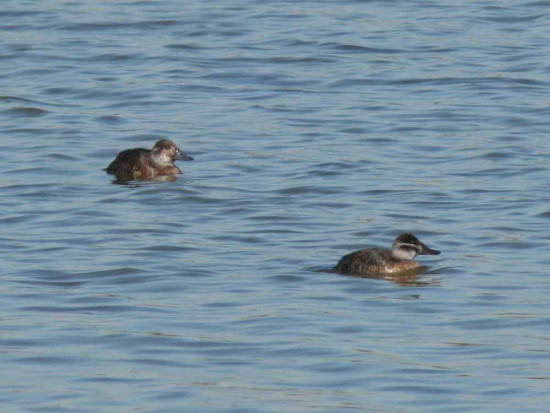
column 412, row 278
column 133, row 183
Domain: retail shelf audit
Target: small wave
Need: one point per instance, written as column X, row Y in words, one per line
column 27, row 112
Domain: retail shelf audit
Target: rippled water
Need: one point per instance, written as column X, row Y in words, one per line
column 318, row 128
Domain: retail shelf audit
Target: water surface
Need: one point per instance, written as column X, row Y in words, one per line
column 317, row 128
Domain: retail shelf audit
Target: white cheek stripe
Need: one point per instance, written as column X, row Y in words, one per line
column 416, row 247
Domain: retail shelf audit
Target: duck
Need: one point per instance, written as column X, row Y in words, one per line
column 378, row 261
column 147, row 164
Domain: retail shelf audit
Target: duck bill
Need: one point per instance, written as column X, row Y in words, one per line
column 183, row 157
column 428, row 251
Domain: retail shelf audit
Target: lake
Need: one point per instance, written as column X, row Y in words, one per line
column 318, row 128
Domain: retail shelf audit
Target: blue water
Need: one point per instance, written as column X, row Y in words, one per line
column 317, row 128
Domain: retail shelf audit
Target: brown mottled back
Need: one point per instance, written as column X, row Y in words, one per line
column 141, row 163
column 372, row 261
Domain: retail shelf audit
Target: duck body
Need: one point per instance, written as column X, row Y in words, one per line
column 373, row 261
column 378, row 261
column 146, row 164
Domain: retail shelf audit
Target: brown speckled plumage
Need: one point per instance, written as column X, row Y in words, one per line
column 377, row 261
column 143, row 164
column 373, row 261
